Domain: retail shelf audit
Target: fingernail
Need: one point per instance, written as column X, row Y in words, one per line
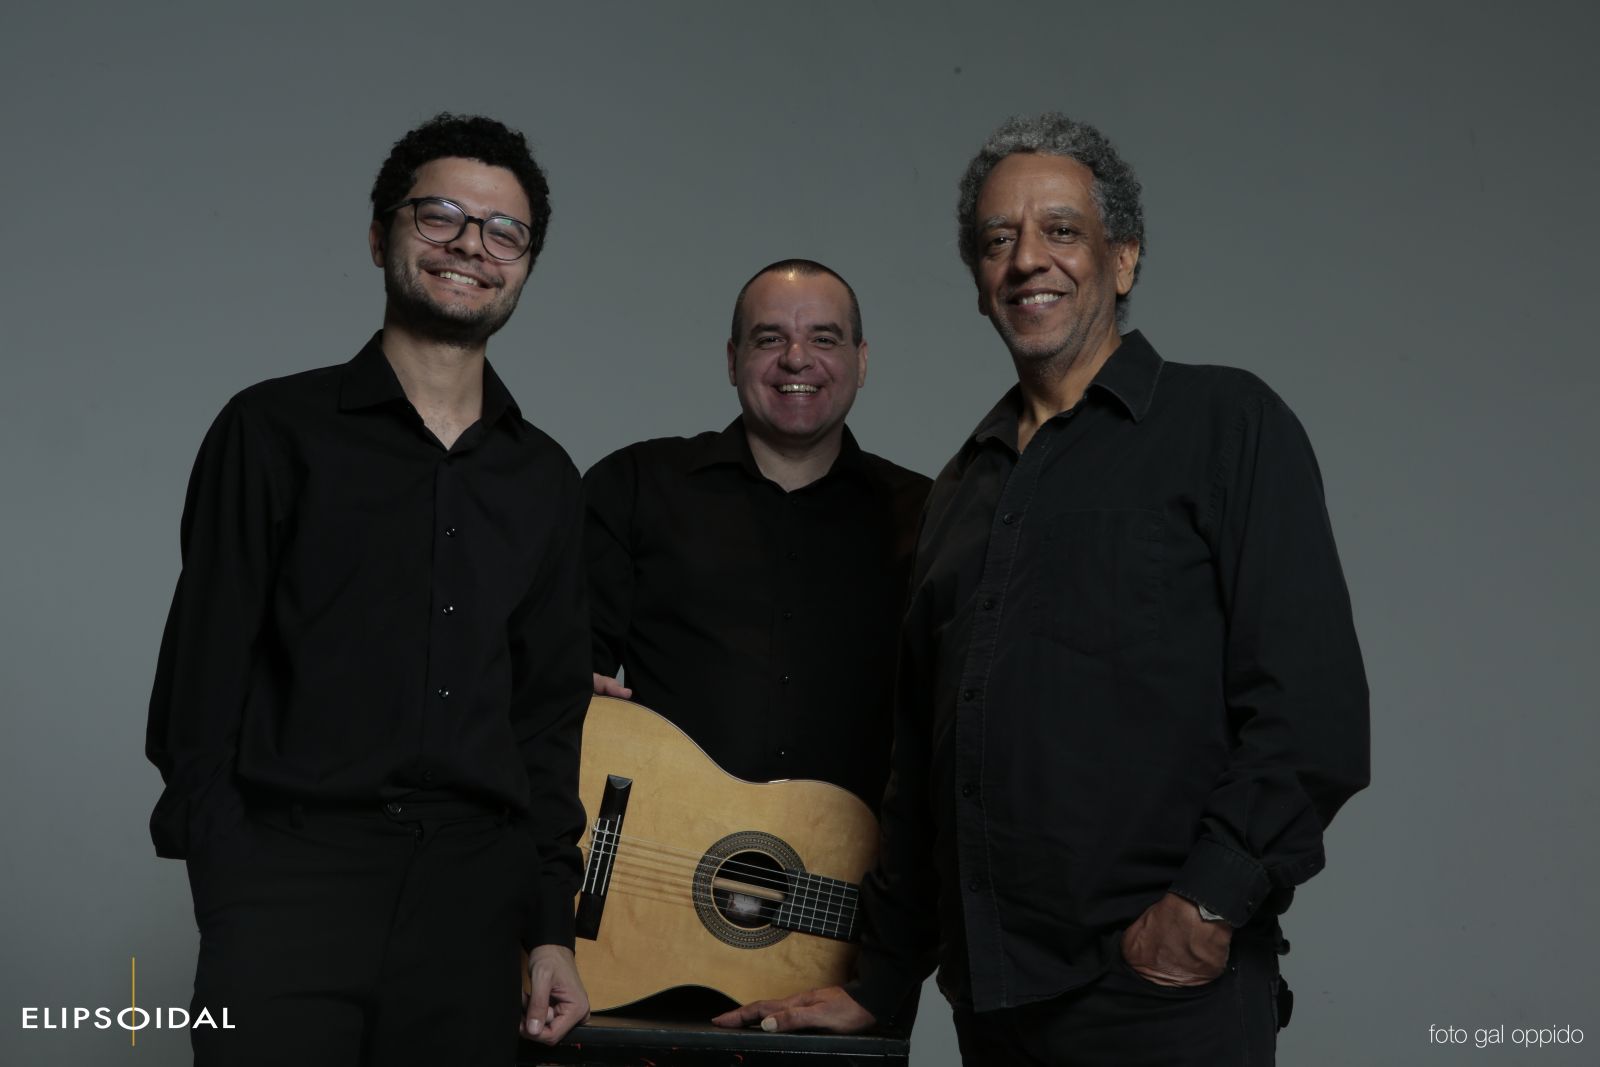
column 769, row 1024
column 534, row 1027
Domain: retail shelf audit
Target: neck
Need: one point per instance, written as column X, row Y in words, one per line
column 443, row 382
column 1055, row 384
column 795, row 466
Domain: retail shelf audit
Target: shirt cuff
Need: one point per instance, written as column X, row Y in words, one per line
column 883, row 990
column 1223, row 880
column 549, row 919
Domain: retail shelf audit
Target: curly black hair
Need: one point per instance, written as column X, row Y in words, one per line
column 467, row 137
column 1116, row 189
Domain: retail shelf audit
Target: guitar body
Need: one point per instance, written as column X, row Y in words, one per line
column 695, row 883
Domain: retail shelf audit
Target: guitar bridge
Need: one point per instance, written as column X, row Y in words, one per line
column 603, row 839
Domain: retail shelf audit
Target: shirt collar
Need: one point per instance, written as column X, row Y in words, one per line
column 369, row 381
column 731, row 447
column 1129, row 378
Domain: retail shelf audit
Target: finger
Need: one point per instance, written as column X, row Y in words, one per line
column 558, row 1028
column 781, row 1022
column 748, row 1014
column 538, row 1002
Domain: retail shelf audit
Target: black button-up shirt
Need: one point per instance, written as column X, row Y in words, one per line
column 764, row 623
column 363, row 614
column 1128, row 668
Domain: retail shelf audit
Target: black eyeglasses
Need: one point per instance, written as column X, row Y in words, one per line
column 442, row 221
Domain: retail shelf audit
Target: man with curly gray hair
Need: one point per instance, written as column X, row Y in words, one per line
column 1131, row 697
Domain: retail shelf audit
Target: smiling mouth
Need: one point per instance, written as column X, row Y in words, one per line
column 459, row 278
column 796, row 387
column 1037, row 299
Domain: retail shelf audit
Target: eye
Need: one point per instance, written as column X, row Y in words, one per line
column 767, row 340
column 1064, row 233
column 825, row 341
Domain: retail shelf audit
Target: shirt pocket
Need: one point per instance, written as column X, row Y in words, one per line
column 1098, row 584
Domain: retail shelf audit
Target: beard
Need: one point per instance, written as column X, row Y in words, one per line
column 447, row 324
column 1064, row 348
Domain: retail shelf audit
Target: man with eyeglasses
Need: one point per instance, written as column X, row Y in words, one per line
column 372, row 682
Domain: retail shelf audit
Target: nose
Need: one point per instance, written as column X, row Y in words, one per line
column 795, row 357
column 469, row 242
column 1030, row 255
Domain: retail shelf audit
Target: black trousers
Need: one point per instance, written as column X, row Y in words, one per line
column 362, row 937
column 1123, row 1020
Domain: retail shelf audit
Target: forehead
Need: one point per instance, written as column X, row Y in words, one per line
column 810, row 299
column 1025, row 182
column 476, row 186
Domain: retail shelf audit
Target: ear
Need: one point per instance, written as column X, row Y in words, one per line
column 733, row 354
column 1127, row 258
column 375, row 241
column 861, row 364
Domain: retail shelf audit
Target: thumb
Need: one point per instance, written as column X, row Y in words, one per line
column 538, row 1000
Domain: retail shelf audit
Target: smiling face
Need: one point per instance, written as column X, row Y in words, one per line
column 795, row 364
column 1047, row 276
column 454, row 292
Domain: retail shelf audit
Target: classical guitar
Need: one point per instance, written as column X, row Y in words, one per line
column 696, row 878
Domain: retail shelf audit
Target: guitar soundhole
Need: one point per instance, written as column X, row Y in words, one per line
column 734, row 887
column 748, row 909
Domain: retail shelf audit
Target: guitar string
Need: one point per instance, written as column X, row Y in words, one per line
column 803, row 920
column 813, row 907
column 830, row 899
column 838, row 912
column 831, row 905
column 612, row 839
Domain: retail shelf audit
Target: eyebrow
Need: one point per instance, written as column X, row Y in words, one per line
column 822, row 327
column 1061, row 212
column 491, row 214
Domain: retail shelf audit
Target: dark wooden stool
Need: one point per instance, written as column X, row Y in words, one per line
column 622, row 1042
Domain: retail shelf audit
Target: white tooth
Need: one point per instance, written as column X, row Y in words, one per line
column 453, row 276
column 796, row 387
column 1040, row 298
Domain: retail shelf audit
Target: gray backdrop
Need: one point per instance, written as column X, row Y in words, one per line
column 1386, row 215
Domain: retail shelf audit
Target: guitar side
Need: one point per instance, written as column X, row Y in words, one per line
column 651, row 936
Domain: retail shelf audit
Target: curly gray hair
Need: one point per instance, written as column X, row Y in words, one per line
column 1116, row 189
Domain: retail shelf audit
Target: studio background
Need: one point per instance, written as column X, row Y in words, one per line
column 1384, row 211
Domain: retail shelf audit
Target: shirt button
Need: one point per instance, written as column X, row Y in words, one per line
column 449, row 531
column 784, row 679
column 427, row 776
column 968, row 694
column 973, row 885
column 449, row 609
column 788, row 615
column 988, row 603
column 782, row 752
column 1009, row 517
column 443, row 693
column 968, row 789
column 794, row 555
